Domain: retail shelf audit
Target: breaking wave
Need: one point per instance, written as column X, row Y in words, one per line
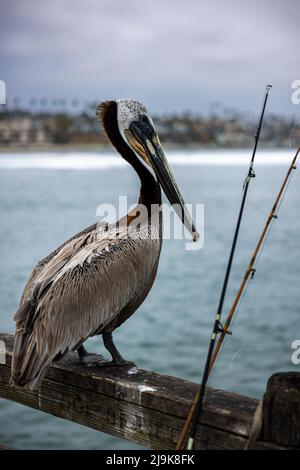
column 93, row 160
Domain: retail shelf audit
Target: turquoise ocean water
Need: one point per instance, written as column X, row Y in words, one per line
column 45, row 198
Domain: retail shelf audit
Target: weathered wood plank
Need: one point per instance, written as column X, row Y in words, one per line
column 143, row 407
column 281, row 409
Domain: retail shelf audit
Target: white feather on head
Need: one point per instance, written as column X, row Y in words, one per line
column 129, row 110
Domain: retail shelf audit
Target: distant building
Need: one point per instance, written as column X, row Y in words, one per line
column 23, row 130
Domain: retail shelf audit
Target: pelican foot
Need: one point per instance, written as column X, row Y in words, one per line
column 92, row 358
column 116, row 363
column 117, row 359
column 86, row 357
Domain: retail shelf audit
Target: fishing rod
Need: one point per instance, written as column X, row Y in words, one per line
column 196, row 410
column 251, row 270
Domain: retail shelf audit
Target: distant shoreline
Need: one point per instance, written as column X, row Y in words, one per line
column 103, row 147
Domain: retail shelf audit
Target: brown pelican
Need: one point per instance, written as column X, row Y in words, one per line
column 98, row 278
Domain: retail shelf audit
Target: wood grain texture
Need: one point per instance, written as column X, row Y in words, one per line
column 281, row 409
column 141, row 406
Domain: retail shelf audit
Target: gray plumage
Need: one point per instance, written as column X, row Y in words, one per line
column 78, row 291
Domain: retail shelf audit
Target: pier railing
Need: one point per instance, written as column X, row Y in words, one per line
column 149, row 409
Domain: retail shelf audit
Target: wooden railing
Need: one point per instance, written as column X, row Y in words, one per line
column 149, row 408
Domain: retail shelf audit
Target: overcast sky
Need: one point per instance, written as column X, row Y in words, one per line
column 172, row 54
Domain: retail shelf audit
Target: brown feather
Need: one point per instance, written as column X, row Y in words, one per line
column 102, row 108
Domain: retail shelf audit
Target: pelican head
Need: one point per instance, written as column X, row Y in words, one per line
column 138, row 132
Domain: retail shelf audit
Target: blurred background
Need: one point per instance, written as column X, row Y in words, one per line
column 201, row 69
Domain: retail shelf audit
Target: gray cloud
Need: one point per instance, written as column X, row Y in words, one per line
column 174, row 55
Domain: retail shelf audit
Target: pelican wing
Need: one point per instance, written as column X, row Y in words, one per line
column 91, row 230
column 76, row 294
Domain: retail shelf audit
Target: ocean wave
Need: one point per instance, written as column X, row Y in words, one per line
column 91, row 161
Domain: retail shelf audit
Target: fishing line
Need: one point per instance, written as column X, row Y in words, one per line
column 233, row 321
column 213, row 368
column 250, row 278
column 251, row 270
column 262, row 247
column 236, row 355
column 217, row 193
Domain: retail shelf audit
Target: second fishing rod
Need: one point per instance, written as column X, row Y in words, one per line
column 195, row 414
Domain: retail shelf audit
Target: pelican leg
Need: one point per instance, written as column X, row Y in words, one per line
column 85, row 356
column 117, row 359
column 82, row 353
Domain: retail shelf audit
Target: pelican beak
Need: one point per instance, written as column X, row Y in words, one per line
column 146, row 136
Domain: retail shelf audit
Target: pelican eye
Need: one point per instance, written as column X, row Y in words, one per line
column 146, row 126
